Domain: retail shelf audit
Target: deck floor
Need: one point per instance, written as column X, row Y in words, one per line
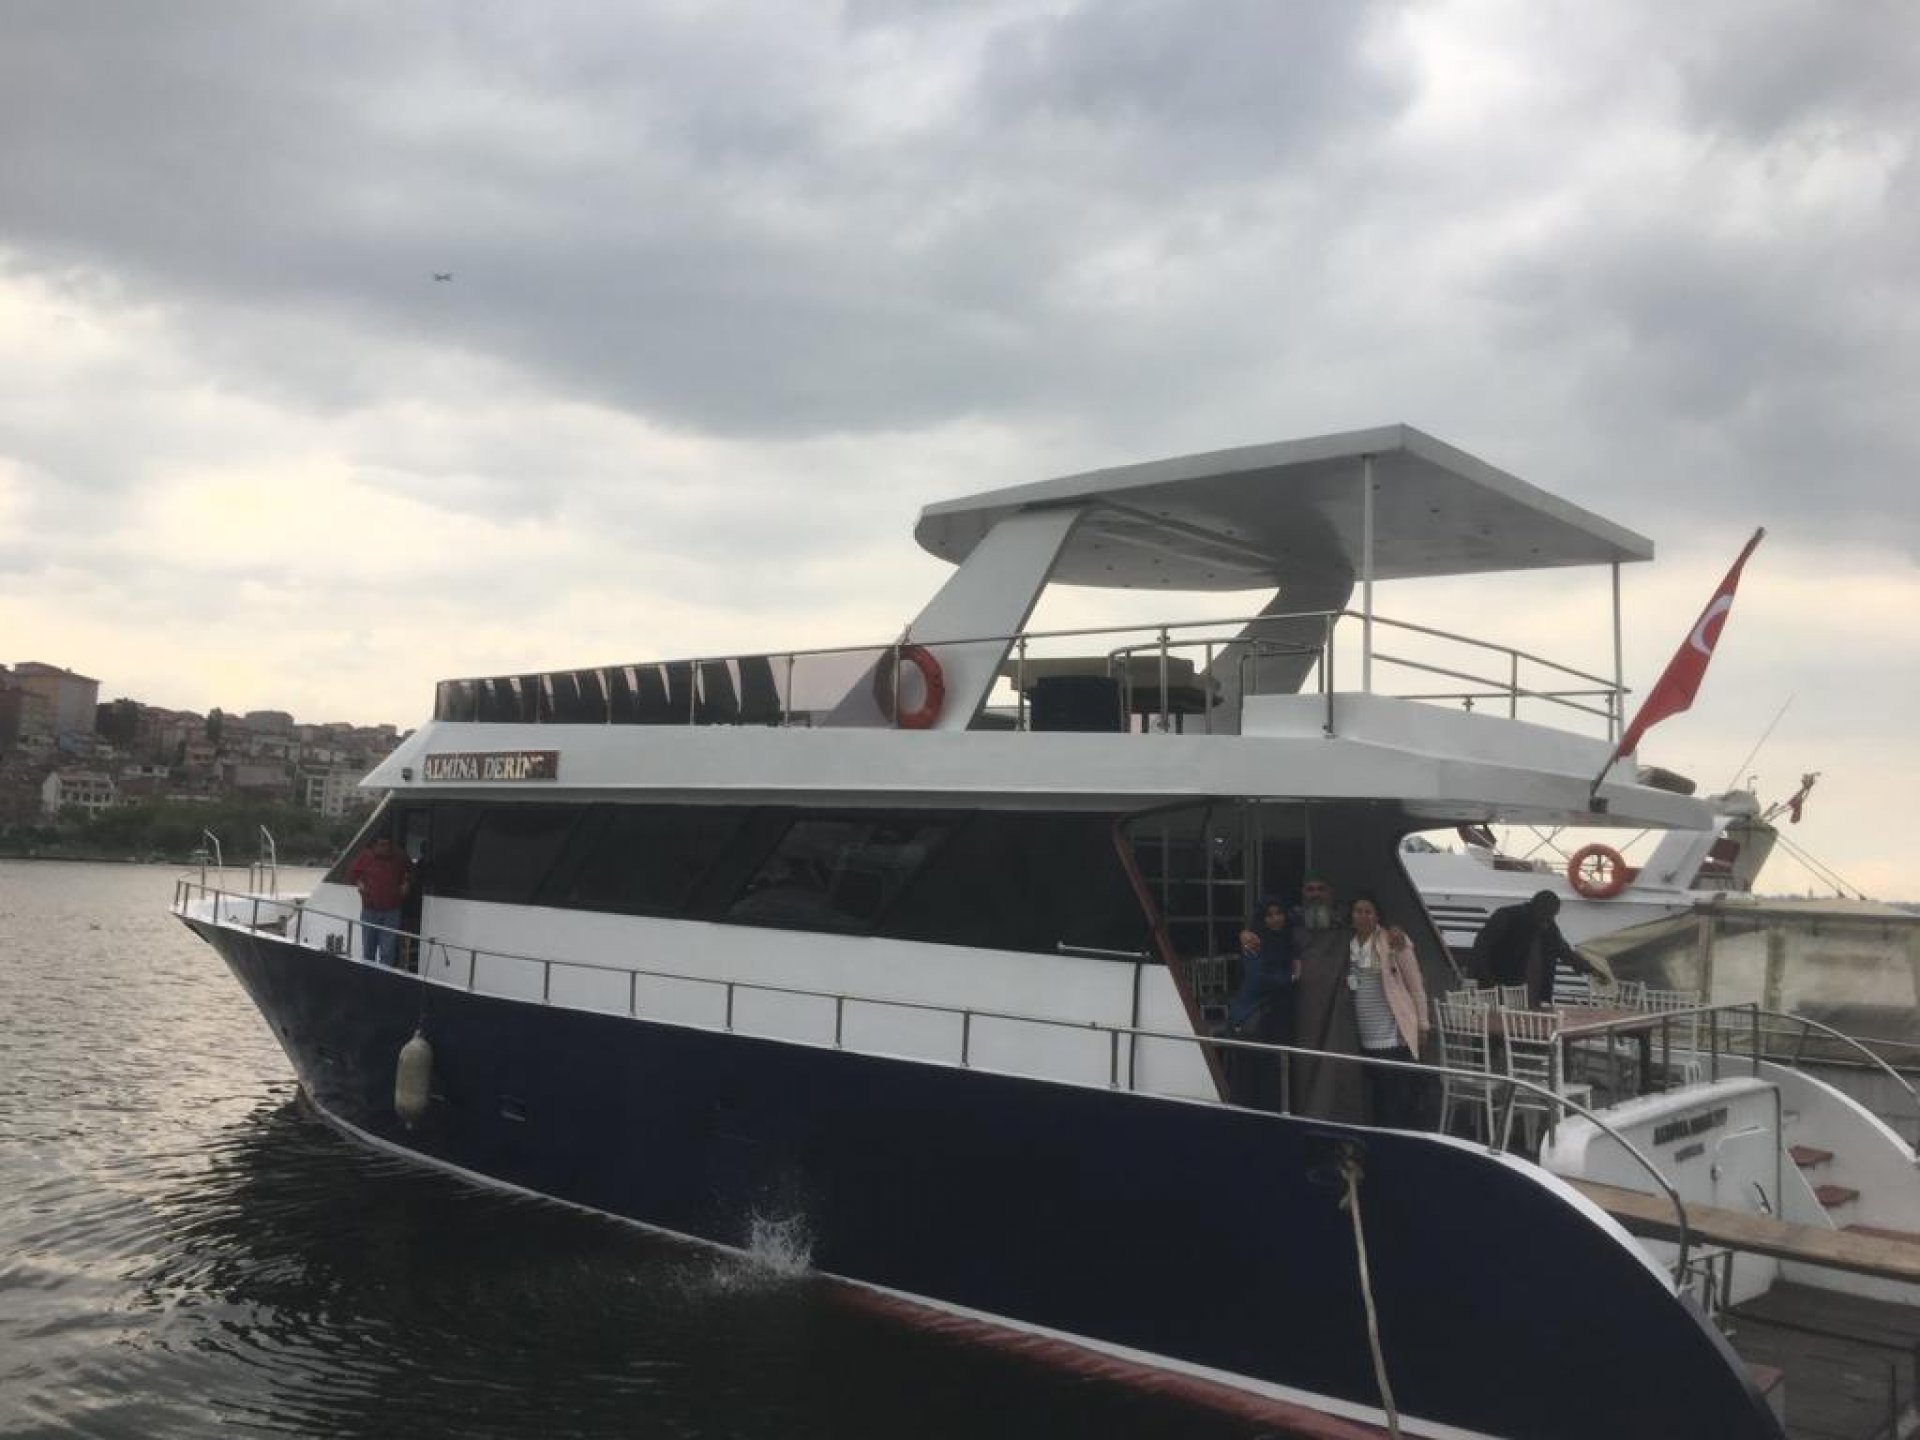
column 1843, row 1358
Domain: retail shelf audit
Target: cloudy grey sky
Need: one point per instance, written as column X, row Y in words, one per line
column 739, row 287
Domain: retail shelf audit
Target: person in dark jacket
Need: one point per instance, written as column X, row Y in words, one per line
column 1262, row 1005
column 1520, row 945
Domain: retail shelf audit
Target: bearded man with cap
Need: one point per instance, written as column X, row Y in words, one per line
column 1324, row 1013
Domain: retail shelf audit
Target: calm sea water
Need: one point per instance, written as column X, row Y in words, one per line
column 184, row 1249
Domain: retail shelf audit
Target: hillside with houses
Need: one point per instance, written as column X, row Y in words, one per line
column 124, row 779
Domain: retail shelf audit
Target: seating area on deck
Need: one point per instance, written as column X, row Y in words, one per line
column 1594, row 1052
column 739, row 691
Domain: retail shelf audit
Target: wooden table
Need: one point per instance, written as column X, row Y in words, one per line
column 1578, row 1022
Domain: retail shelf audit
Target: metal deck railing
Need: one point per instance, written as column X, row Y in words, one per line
column 332, row 936
column 1166, row 672
column 1776, row 1024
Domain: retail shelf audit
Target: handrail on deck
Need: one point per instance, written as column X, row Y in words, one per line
column 1644, row 1021
column 1807, row 1026
column 536, row 698
column 185, row 888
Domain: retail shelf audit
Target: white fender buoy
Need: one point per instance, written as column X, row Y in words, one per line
column 412, row 1080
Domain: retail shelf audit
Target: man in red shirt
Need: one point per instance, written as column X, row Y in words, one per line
column 383, row 876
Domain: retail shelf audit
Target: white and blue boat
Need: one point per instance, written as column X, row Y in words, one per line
column 917, row 950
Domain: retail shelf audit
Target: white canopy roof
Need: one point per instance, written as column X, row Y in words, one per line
column 1253, row 517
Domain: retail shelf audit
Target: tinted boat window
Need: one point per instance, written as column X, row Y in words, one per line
column 646, row 859
column 1025, row 882
column 512, row 849
column 445, row 868
column 836, row 874
column 1003, row 881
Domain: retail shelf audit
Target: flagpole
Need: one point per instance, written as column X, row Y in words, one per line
column 1617, row 704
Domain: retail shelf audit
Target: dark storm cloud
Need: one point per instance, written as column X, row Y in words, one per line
column 1187, row 102
column 668, row 212
column 1751, row 367
column 1105, row 219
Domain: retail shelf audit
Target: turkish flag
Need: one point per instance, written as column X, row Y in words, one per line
column 1680, row 681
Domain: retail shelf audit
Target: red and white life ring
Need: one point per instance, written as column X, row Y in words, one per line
column 932, row 683
column 1598, row 872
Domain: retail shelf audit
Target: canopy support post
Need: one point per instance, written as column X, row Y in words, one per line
column 1615, row 709
column 1366, row 574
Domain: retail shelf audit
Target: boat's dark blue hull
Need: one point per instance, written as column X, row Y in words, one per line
column 1203, row 1234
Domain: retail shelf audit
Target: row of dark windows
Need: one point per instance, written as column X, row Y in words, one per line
column 1007, row 880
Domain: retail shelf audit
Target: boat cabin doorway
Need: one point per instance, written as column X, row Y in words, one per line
column 1207, row 869
column 413, row 833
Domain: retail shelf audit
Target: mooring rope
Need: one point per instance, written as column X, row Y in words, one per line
column 1351, row 1172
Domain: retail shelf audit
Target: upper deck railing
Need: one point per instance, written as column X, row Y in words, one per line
column 1190, row 676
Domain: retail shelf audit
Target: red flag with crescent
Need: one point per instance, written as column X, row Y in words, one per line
column 1673, row 692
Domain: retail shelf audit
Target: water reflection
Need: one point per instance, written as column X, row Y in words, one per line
column 296, row 1283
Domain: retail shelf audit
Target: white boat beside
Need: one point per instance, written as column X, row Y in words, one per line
column 1465, row 875
column 914, row 951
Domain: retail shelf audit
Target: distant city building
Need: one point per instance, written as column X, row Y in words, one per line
column 163, row 732
column 73, row 698
column 334, row 791
column 26, row 716
column 60, row 748
column 272, row 747
column 135, row 783
column 258, row 779
column 12, row 700
column 87, row 790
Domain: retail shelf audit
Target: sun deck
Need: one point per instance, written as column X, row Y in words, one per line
column 1316, row 520
column 1163, row 677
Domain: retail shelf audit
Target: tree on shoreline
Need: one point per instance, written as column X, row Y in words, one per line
column 170, row 829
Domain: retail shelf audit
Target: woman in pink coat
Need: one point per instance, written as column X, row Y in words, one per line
column 1390, row 1002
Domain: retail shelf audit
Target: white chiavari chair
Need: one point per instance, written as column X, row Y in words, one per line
column 1531, row 1052
column 1682, row 1033
column 1466, row 1052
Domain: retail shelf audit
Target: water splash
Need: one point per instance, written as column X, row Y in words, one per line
column 778, row 1251
column 780, row 1244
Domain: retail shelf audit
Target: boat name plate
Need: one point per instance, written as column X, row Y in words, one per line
column 1690, row 1125
column 509, row 765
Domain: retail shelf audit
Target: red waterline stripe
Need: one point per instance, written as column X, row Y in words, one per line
column 1298, row 1420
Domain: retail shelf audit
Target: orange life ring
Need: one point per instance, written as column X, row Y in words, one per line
column 1598, row 872
column 928, row 710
